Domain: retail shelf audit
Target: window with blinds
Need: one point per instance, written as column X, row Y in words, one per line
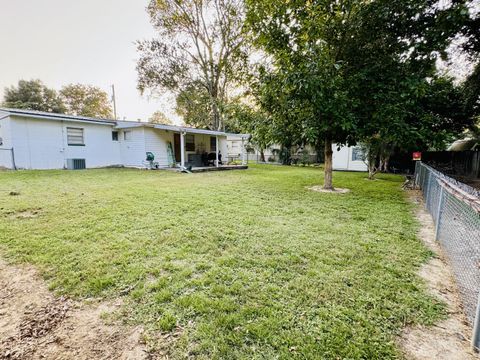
column 75, row 137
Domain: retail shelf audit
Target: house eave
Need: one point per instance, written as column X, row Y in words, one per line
column 51, row 116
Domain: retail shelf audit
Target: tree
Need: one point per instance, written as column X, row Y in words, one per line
column 86, row 100
column 402, row 103
column 249, row 119
column 334, row 61
column 471, row 86
column 33, row 95
column 158, row 117
column 200, row 45
column 194, row 106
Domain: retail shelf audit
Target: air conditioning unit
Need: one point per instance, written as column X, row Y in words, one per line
column 76, row 164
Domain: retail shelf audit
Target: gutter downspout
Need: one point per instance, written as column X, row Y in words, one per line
column 13, row 159
column 216, row 151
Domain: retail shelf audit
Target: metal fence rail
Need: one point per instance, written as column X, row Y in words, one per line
column 455, row 208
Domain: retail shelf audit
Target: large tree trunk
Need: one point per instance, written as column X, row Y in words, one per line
column 372, row 169
column 217, row 120
column 385, row 162
column 262, row 155
column 328, row 183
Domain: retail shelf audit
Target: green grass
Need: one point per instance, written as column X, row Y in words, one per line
column 248, row 264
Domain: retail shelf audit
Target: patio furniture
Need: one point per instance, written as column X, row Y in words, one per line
column 212, row 157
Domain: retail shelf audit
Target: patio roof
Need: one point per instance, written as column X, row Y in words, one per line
column 175, row 128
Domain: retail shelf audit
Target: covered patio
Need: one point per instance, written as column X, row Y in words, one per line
column 202, row 150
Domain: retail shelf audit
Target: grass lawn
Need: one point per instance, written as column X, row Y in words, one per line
column 250, row 264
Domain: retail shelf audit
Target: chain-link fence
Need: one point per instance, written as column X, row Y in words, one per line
column 455, row 208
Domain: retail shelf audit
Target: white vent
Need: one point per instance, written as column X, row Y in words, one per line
column 76, row 164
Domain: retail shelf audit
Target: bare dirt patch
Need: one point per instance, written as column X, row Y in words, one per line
column 34, row 324
column 25, row 214
column 448, row 339
column 319, row 188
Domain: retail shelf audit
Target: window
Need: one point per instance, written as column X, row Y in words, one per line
column 75, row 137
column 213, row 143
column 357, row 154
column 127, row 135
column 190, row 142
column 114, row 135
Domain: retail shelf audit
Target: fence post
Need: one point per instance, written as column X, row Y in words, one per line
column 439, row 212
column 476, row 328
column 418, row 172
column 426, row 189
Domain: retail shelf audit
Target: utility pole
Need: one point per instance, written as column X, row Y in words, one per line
column 114, row 102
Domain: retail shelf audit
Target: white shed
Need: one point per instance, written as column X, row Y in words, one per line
column 349, row 158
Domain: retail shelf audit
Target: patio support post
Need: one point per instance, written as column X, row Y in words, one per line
column 216, row 150
column 182, row 149
column 243, row 151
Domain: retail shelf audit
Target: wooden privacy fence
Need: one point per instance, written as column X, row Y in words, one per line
column 465, row 164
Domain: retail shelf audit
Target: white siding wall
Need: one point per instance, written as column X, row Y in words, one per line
column 342, row 160
column 234, row 146
column 223, row 147
column 99, row 150
column 38, row 143
column 42, row 144
column 156, row 142
column 133, row 151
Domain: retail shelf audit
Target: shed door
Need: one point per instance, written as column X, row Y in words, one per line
column 176, row 147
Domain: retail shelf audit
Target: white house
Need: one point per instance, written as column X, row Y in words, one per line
column 39, row 140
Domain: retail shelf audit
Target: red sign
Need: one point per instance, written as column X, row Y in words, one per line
column 417, row 155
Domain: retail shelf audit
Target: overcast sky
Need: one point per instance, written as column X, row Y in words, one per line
column 71, row 41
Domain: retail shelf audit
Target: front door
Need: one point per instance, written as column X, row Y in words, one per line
column 176, row 147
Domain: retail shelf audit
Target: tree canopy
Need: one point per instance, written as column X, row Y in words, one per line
column 193, row 104
column 86, row 100
column 200, row 46
column 342, row 70
column 158, row 117
column 33, row 95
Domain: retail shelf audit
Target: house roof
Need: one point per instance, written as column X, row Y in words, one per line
column 464, row 144
column 134, row 124
column 119, row 124
column 54, row 116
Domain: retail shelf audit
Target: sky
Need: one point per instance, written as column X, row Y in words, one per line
column 71, row 41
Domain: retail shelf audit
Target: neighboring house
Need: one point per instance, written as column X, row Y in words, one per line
column 350, row 158
column 465, row 144
column 39, row 140
column 235, row 145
